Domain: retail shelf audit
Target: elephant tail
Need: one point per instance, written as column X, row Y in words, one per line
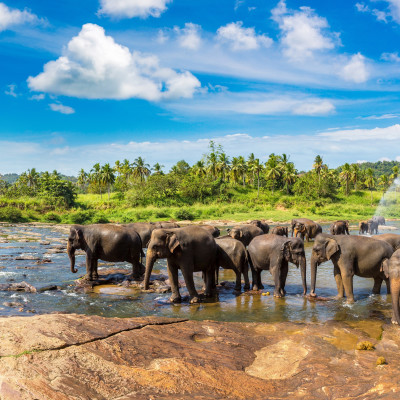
column 249, row 261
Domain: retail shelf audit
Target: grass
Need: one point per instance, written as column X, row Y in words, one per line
column 241, row 205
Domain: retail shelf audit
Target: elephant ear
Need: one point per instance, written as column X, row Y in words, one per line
column 173, row 242
column 331, row 248
column 286, row 249
column 79, row 233
column 385, row 267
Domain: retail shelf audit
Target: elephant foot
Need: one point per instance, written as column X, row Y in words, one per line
column 255, row 288
column 261, row 286
column 238, row 288
column 278, row 294
column 313, row 294
column 194, row 300
column 338, row 297
column 283, row 292
column 305, row 293
column 246, row 287
column 350, row 301
column 394, row 322
column 89, row 277
column 175, row 299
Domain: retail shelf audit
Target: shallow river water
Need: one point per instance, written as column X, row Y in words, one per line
column 123, row 302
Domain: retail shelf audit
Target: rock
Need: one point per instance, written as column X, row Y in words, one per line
column 30, row 257
column 47, row 288
column 365, row 346
column 12, row 304
column 44, row 243
column 18, row 287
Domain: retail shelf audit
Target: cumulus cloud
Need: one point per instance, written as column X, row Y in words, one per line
column 379, row 14
column 355, row 69
column 303, row 32
column 393, row 57
column 94, row 66
column 58, row 107
column 11, row 91
column 241, row 38
column 133, row 8
column 37, row 97
column 10, row 17
column 189, row 36
column 390, row 133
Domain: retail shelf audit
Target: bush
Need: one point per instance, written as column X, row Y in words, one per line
column 81, row 217
column 11, row 214
column 52, row 217
column 184, row 214
column 99, row 219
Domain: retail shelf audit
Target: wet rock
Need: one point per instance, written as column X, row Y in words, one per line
column 29, row 257
column 18, row 287
column 48, row 288
column 44, row 243
column 12, row 304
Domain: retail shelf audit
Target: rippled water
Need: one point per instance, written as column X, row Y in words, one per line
column 120, row 302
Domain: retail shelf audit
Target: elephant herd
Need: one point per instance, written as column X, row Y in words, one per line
column 200, row 248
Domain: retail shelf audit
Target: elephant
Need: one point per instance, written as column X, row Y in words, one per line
column 190, row 249
column 391, row 269
column 363, row 227
column 308, row 230
column 302, row 220
column 108, row 243
column 380, row 220
column 372, row 226
column 392, row 238
column 245, row 233
column 165, row 224
column 340, row 227
column 350, row 255
column 260, row 224
column 215, row 232
column 232, row 254
column 144, row 230
column 280, row 230
column 274, row 252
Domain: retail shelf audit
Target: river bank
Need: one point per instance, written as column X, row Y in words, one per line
column 90, row 357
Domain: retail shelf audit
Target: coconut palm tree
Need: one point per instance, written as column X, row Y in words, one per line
column 345, row 176
column 289, row 175
column 241, row 164
column 107, row 177
column 82, row 178
column 256, row 168
column 157, row 168
column 250, row 163
column 384, row 183
column 235, row 171
column 95, row 177
column 370, row 180
column 222, row 166
column 32, row 177
column 141, row 169
column 355, row 174
column 273, row 171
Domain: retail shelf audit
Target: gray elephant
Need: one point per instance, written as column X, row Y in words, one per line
column 190, row 249
column 391, row 269
column 108, row 243
column 363, row 227
column 232, row 254
column 392, row 238
column 144, row 230
column 350, row 255
column 372, row 226
column 307, row 230
column 245, row 233
column 215, row 232
column 340, row 227
column 274, row 252
column 301, row 220
column 260, row 224
column 165, row 224
column 380, row 220
column 280, row 230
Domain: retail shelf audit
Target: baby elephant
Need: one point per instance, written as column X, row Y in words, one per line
column 391, row 268
column 280, row 230
column 362, row 227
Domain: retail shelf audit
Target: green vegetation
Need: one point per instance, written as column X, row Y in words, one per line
column 215, row 187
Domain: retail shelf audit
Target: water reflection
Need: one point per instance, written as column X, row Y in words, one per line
column 227, row 306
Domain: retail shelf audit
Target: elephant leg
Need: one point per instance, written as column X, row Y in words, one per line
column 89, row 263
column 395, row 288
column 187, row 272
column 173, row 279
column 95, row 274
column 276, row 274
column 260, row 285
column 339, row 283
column 284, row 273
column 210, row 283
column 238, row 284
column 246, row 276
column 377, row 285
column 348, row 286
column 387, row 282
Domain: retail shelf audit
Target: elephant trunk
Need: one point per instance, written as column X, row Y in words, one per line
column 303, row 274
column 71, row 255
column 150, row 260
column 395, row 290
column 314, row 265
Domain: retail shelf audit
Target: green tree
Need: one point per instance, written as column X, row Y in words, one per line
column 181, row 168
column 256, row 168
column 318, row 166
column 345, row 176
column 140, row 169
column 157, row 168
column 222, row 166
column 95, row 177
column 273, row 171
column 242, row 167
column 82, row 178
column 289, row 176
column 370, row 180
column 355, row 175
column 199, row 169
column 32, row 178
column 107, row 177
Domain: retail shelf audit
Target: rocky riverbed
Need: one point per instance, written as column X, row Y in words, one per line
column 90, row 357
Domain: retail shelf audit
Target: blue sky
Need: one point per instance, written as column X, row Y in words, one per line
column 101, row 80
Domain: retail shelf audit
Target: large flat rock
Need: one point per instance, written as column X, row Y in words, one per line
column 89, row 357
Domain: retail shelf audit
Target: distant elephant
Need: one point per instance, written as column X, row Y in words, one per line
column 363, row 227
column 307, row 230
column 260, row 224
column 232, row 254
column 274, row 252
column 280, row 230
column 165, row 224
column 391, row 269
column 215, row 232
column 372, row 226
column 108, row 243
column 190, row 249
column 392, row 238
column 245, row 233
column 302, row 220
column 340, row 227
column 379, row 220
column 350, row 255
column 144, row 230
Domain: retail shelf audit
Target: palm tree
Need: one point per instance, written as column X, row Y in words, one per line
column 157, row 168
column 393, row 177
column 212, row 163
column 107, row 177
column 256, row 168
column 355, row 174
column 95, row 176
column 141, row 169
column 117, row 167
column 235, row 171
column 82, row 178
column 32, row 177
column 242, row 167
column 272, row 170
column 370, row 180
column 345, row 176
column 289, row 175
column 55, row 174
column 250, row 163
column 318, row 166
column 126, row 170
column 199, row 169
column 384, row 183
column 223, row 165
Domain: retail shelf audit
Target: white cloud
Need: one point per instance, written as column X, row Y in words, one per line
column 385, row 159
column 189, row 36
column 242, row 38
column 393, row 57
column 379, row 14
column 10, row 17
column 314, row 108
column 38, row 97
column 133, row 8
column 11, row 90
column 303, row 32
column 94, row 66
column 394, row 7
column 355, row 70
column 384, row 116
column 390, row 133
column 58, row 107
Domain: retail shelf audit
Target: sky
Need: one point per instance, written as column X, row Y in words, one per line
column 93, row 81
